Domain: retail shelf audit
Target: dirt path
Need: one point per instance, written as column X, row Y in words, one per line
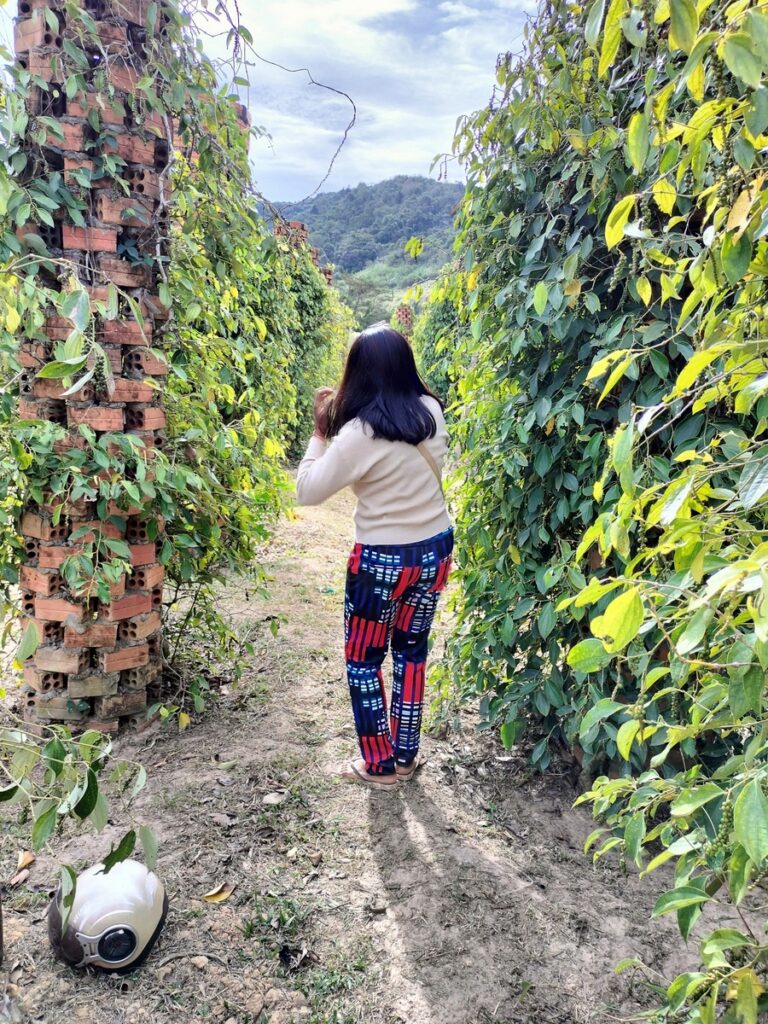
column 462, row 899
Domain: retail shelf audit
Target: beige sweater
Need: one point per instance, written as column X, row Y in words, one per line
column 399, row 500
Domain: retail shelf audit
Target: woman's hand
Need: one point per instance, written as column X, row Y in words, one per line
column 321, row 410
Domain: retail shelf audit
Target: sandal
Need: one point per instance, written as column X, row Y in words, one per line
column 353, row 774
column 406, row 772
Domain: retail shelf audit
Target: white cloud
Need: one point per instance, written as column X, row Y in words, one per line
column 411, row 66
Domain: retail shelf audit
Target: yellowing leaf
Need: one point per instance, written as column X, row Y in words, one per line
column 644, row 290
column 572, row 288
column 620, row 622
column 664, row 195
column 696, row 83
column 220, row 893
column 12, row 319
column 625, row 737
column 597, row 369
column 611, row 35
column 617, row 218
column 638, row 140
column 184, row 721
column 540, row 296
column 616, row 375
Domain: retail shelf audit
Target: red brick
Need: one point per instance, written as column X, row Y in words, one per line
column 89, row 238
column 145, row 362
column 55, row 609
column 33, row 525
column 116, row 590
column 33, row 354
column 42, row 388
column 114, row 38
column 153, row 122
column 73, row 137
column 30, row 32
column 100, row 528
column 144, row 419
column 142, row 554
column 99, row 417
column 109, row 113
column 133, row 212
column 59, row 709
column 44, row 681
column 56, row 659
column 127, row 390
column 100, row 634
column 100, row 725
column 152, row 306
column 30, row 410
column 144, row 183
column 46, row 64
column 122, row 273
column 39, row 582
column 52, row 555
column 140, row 629
column 134, row 11
column 147, row 438
column 147, row 578
column 122, row 76
column 69, row 442
column 133, row 149
column 75, row 163
column 131, row 702
column 98, row 293
column 115, row 357
column 95, row 685
column 127, row 607
column 126, row 332
column 124, row 657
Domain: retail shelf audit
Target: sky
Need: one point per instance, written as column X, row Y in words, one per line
column 411, row 66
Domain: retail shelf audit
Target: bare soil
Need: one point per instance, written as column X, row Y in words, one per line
column 462, row 898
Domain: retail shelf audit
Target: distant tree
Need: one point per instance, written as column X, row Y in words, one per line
column 356, row 250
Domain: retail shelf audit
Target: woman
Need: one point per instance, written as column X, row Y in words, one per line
column 388, row 441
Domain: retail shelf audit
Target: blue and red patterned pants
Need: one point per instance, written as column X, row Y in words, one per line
column 391, row 596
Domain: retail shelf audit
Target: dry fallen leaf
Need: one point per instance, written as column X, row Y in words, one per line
column 26, row 857
column 219, row 894
column 293, row 853
column 19, row 878
column 315, row 858
column 221, row 819
column 200, row 962
column 274, row 799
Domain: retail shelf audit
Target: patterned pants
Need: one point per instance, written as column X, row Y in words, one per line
column 391, row 596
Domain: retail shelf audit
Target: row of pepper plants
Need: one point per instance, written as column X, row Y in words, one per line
column 255, row 329
column 610, row 387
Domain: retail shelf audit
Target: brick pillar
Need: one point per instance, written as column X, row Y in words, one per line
column 97, row 657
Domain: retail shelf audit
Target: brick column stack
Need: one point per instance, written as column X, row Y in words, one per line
column 96, row 657
column 404, row 319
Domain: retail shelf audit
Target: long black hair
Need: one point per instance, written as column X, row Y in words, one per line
column 382, row 387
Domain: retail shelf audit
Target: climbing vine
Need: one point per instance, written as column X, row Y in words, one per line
column 614, row 583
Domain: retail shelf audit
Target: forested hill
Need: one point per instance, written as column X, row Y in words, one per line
column 358, row 226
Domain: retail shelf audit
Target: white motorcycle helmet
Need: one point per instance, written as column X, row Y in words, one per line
column 115, row 919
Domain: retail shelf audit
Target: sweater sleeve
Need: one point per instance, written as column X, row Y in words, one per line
column 324, row 471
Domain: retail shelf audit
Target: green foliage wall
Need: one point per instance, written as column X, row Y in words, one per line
column 612, row 412
column 251, row 328
column 319, row 341
column 435, row 336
